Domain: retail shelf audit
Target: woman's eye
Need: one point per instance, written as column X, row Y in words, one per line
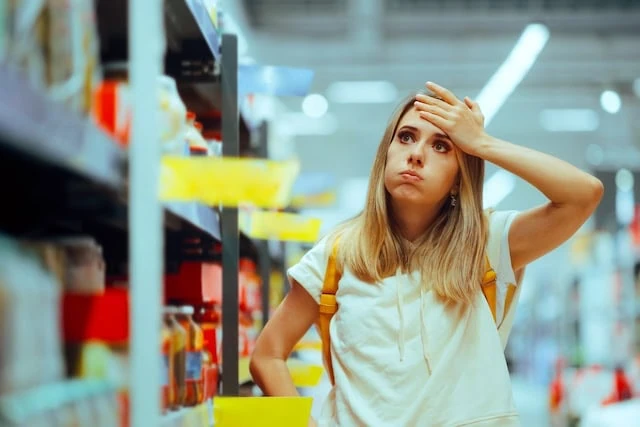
column 405, row 137
column 441, row 147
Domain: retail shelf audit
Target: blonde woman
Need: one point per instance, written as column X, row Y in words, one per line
column 414, row 341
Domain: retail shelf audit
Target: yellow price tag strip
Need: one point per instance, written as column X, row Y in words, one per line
column 283, row 226
column 228, row 181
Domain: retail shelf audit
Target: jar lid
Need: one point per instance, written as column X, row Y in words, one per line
column 186, row 309
column 170, row 310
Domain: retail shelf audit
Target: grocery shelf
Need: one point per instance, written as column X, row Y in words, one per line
column 203, row 19
column 34, row 127
column 18, row 408
column 197, row 416
column 202, row 217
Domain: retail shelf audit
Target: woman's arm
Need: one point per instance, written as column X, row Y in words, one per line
column 573, row 194
column 293, row 318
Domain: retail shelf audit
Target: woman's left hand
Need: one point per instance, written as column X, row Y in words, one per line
column 462, row 122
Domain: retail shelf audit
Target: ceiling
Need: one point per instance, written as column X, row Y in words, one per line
column 594, row 45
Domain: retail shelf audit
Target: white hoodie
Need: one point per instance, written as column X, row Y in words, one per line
column 403, row 358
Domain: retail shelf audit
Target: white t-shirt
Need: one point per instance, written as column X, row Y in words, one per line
column 402, row 358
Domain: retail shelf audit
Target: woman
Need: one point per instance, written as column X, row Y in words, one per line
column 414, row 341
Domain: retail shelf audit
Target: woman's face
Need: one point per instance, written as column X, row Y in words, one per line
column 422, row 167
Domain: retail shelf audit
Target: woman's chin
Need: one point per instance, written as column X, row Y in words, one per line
column 409, row 195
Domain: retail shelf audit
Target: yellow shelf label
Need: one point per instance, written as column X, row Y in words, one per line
column 261, row 411
column 228, row 181
column 314, row 200
column 279, row 226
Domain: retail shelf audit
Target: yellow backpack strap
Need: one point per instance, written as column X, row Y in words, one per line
column 490, row 288
column 328, row 306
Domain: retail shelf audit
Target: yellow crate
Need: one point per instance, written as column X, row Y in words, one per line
column 261, row 411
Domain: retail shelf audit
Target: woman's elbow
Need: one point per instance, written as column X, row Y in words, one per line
column 597, row 191
column 256, row 364
column 590, row 195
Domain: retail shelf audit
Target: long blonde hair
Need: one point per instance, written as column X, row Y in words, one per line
column 451, row 253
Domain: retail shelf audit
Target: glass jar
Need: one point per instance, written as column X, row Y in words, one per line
column 194, row 380
column 177, row 375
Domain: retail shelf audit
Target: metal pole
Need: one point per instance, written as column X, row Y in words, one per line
column 230, row 234
column 263, row 246
column 146, row 49
column 265, row 275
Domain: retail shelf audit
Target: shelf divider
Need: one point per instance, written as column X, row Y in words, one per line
column 230, row 232
column 146, row 236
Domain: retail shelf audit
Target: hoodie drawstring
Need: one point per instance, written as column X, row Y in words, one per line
column 423, row 326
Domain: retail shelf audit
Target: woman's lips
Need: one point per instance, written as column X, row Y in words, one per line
column 411, row 176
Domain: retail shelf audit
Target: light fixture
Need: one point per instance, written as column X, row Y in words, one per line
column 315, row 105
column 569, row 120
column 610, row 101
column 624, row 180
column 497, row 188
column 362, row 92
column 625, row 200
column 513, row 70
column 499, row 87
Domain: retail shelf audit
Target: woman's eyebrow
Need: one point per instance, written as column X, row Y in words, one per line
column 409, row 128
column 440, row 136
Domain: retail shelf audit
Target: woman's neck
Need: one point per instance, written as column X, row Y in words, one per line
column 413, row 221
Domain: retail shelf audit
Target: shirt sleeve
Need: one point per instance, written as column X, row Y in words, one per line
column 507, row 287
column 310, row 270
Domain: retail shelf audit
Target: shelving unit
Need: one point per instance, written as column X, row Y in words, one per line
column 71, row 178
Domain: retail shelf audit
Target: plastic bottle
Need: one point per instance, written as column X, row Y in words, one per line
column 194, row 346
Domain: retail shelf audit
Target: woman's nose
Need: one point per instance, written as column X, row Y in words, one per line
column 416, row 157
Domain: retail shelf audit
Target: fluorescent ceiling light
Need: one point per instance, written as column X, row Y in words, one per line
column 315, row 105
column 497, row 188
column 499, row 87
column 569, row 120
column 610, row 101
column 362, row 92
column 513, row 70
column 296, row 123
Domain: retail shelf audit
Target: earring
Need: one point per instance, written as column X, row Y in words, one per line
column 454, row 201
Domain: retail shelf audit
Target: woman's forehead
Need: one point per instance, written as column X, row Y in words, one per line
column 412, row 119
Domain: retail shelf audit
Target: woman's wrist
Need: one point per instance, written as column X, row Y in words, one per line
column 485, row 145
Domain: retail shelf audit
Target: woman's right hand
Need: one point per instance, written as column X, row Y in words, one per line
column 312, row 422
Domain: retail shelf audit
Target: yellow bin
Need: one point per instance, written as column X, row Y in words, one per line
column 261, row 411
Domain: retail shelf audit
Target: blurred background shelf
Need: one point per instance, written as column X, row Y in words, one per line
column 35, row 129
column 18, row 408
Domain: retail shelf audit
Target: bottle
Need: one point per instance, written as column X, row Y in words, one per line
column 208, row 318
column 194, row 381
column 177, row 377
column 168, row 381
